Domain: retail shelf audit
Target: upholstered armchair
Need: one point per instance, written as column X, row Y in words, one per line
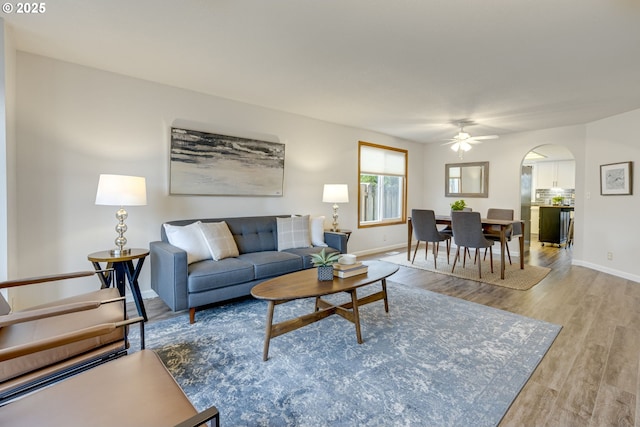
column 44, row 344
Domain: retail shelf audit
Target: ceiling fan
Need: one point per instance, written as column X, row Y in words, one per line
column 462, row 141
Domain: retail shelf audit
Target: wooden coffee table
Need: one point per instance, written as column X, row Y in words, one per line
column 305, row 284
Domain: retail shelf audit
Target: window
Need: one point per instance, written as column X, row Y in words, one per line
column 383, row 185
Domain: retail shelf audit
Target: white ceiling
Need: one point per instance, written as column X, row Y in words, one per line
column 402, row 67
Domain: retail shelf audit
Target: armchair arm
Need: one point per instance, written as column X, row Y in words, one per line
column 43, row 279
column 201, row 418
column 42, row 313
column 63, row 339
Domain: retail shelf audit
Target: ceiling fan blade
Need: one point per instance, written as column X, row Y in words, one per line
column 486, row 137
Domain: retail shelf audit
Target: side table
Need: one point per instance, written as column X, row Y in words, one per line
column 124, row 270
column 341, row 230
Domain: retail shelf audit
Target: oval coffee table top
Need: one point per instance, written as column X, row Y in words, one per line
column 305, row 283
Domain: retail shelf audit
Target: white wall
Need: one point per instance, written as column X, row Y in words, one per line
column 74, row 123
column 611, row 220
column 8, row 211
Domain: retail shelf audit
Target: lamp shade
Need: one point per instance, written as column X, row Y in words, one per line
column 335, row 193
column 121, row 190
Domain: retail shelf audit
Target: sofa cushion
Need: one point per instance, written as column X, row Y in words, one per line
column 305, row 254
column 293, row 232
column 189, row 238
column 272, row 263
column 210, row 274
column 219, row 240
column 254, row 234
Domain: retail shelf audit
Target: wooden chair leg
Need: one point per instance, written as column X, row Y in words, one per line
column 436, row 247
column 508, row 253
column 448, row 241
column 415, row 251
column 455, row 258
column 491, row 258
column 479, row 263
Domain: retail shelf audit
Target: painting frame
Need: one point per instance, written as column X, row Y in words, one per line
column 213, row 164
column 616, row 179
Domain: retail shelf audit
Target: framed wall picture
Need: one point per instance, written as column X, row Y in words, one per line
column 616, row 179
column 221, row 165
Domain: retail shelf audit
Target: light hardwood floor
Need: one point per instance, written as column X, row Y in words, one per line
column 589, row 377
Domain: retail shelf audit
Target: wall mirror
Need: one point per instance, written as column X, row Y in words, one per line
column 466, row 179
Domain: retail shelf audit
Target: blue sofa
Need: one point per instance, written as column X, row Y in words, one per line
column 190, row 286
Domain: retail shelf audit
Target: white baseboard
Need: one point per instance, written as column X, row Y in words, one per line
column 602, row 269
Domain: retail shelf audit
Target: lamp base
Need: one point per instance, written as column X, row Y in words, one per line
column 120, row 252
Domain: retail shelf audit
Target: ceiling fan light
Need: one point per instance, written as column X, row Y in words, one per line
column 463, row 135
column 465, row 146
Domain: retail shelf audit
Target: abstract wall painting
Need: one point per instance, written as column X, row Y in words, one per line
column 221, row 165
column 616, row 179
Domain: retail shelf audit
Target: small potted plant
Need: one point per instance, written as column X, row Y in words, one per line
column 458, row 205
column 557, row 200
column 325, row 262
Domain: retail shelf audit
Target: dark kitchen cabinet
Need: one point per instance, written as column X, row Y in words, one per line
column 554, row 224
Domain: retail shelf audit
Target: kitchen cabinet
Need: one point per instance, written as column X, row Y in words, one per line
column 559, row 174
column 554, row 224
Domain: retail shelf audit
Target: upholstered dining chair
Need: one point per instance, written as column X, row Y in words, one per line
column 467, row 233
column 449, row 231
column 424, row 227
column 492, row 232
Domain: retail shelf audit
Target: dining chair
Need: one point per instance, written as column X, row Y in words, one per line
column 492, row 232
column 467, row 233
column 449, row 231
column 424, row 227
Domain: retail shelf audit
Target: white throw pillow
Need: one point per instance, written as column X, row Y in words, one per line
column 316, row 226
column 219, row 240
column 293, row 232
column 190, row 239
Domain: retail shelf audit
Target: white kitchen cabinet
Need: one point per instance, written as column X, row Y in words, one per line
column 560, row 174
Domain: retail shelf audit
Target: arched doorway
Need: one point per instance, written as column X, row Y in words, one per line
column 547, row 183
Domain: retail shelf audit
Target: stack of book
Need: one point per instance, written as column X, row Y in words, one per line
column 348, row 270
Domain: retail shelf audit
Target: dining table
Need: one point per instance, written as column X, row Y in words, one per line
column 505, row 226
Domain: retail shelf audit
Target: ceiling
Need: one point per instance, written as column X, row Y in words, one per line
column 406, row 68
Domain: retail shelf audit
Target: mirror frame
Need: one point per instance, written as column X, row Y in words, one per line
column 485, row 184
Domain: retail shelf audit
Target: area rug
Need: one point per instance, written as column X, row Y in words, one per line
column 432, row 360
column 514, row 277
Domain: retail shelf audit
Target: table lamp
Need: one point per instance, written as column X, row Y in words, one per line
column 335, row 193
column 121, row 190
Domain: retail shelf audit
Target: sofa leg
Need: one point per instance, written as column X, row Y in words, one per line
column 192, row 316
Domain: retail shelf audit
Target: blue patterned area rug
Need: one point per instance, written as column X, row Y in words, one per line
column 432, row 360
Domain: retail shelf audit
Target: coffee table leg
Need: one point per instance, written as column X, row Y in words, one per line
column 267, row 337
column 384, row 291
column 356, row 315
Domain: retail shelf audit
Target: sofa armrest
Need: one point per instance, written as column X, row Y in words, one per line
column 336, row 240
column 169, row 274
